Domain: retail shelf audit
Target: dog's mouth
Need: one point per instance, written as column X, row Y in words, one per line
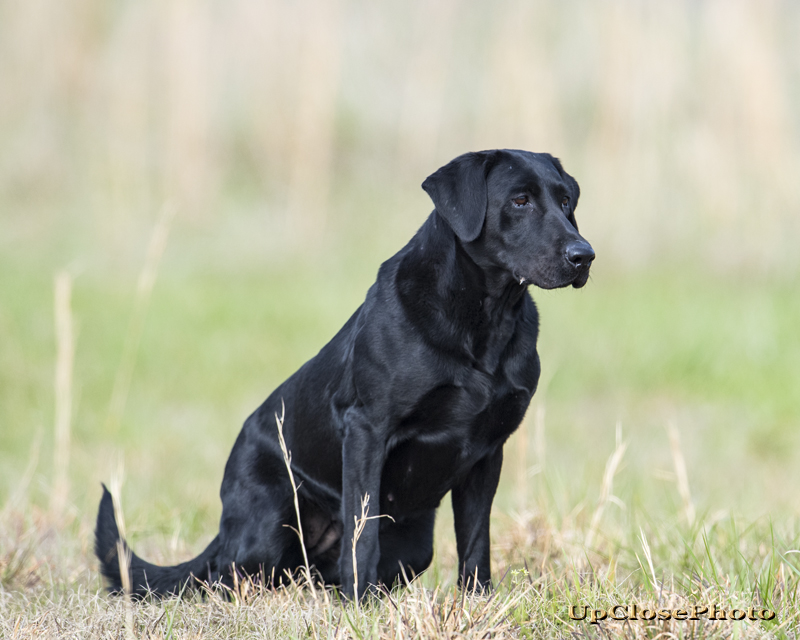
column 582, row 279
column 577, row 279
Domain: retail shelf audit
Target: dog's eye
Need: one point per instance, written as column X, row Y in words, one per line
column 522, row 200
column 565, row 201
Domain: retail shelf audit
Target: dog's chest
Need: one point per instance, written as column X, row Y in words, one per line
column 451, row 429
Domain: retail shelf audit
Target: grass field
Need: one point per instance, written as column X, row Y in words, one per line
column 217, row 184
column 716, row 358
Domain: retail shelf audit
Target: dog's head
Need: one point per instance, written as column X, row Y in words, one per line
column 515, row 210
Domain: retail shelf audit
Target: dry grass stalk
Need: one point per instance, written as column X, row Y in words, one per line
column 423, row 94
column 648, row 555
column 115, row 488
column 123, row 552
column 144, row 288
column 606, row 490
column 190, row 170
column 314, row 135
column 361, row 522
column 287, row 458
column 525, row 115
column 124, row 558
column 65, row 357
column 681, row 476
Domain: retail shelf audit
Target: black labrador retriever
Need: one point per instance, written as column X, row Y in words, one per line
column 414, row 397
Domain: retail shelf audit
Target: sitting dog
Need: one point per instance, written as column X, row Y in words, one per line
column 414, row 397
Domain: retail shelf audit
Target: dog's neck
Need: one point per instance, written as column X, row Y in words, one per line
column 460, row 305
column 497, row 287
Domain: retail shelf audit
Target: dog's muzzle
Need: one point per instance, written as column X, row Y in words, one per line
column 580, row 255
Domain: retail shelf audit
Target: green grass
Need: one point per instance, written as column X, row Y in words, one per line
column 718, row 357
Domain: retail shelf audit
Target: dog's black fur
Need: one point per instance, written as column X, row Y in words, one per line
column 414, row 397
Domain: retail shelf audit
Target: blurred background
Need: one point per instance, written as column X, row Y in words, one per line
column 219, row 182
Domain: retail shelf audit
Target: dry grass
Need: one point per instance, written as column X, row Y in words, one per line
column 679, row 119
column 549, row 572
column 48, row 590
column 65, row 356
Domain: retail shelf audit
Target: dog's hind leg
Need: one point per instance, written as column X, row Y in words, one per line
column 257, row 527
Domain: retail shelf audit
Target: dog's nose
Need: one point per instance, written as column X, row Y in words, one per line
column 580, row 254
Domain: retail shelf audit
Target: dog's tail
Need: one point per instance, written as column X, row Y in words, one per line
column 145, row 578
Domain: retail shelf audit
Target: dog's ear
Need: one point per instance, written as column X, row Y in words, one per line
column 572, row 184
column 458, row 191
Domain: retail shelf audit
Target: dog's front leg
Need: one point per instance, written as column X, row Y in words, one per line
column 362, row 465
column 472, row 506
